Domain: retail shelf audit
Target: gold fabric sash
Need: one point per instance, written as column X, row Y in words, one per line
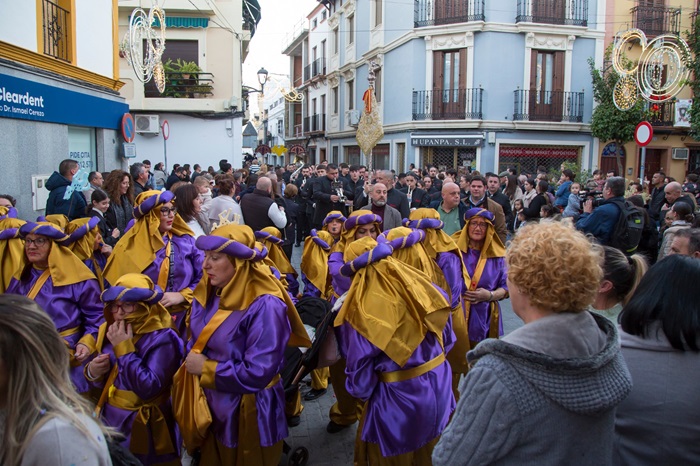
column 190, row 406
column 249, row 450
column 38, row 284
column 71, row 352
column 149, row 417
column 165, row 266
column 413, row 372
column 457, row 356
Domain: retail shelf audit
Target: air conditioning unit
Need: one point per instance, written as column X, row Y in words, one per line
column 680, row 153
column 147, row 124
column 353, row 117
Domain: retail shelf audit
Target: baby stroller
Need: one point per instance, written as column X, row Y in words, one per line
column 317, row 317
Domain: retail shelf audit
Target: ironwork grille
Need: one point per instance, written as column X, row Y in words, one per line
column 56, row 29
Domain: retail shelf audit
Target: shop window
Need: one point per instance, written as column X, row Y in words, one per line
column 81, row 148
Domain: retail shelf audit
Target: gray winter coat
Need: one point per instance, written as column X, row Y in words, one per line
column 543, row 395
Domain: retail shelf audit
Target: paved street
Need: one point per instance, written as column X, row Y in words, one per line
column 337, row 449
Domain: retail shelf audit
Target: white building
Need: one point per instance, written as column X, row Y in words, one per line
column 59, row 83
column 204, row 110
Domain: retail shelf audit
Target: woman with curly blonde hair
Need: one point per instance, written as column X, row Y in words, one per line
column 547, row 392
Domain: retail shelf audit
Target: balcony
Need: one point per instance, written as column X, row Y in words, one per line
column 183, row 85
column 437, row 12
column 570, row 13
column 447, row 104
column 661, row 114
column 57, row 33
column 315, row 123
column 316, row 68
column 554, row 106
column 657, row 20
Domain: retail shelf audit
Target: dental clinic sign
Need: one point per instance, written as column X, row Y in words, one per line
column 30, row 100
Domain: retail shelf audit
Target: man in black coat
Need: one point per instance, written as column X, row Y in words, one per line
column 417, row 197
column 395, row 199
column 657, row 198
column 326, row 197
column 493, row 185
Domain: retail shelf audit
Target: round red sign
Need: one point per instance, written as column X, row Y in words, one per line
column 643, row 133
column 166, row 129
column 128, row 128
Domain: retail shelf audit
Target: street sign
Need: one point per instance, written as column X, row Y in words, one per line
column 643, row 133
column 128, row 128
column 166, row 129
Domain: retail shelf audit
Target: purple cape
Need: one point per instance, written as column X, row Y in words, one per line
column 493, row 277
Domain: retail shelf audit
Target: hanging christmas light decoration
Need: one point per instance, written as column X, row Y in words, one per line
column 658, row 76
column 146, row 31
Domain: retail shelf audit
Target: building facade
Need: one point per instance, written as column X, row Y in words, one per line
column 465, row 82
column 206, row 44
column 59, row 83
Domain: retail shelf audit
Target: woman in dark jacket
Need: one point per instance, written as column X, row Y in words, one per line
column 291, row 208
column 532, row 212
column 100, row 205
column 120, row 189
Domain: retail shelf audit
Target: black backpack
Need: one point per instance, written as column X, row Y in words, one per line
column 629, row 228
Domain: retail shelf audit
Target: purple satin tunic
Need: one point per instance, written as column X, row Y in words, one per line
column 186, row 274
column 309, row 289
column 293, row 284
column 148, row 372
column 400, row 416
column 340, row 283
column 70, row 306
column 249, row 346
column 493, row 277
column 451, row 268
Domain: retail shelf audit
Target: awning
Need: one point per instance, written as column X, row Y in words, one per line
column 182, row 22
column 251, row 14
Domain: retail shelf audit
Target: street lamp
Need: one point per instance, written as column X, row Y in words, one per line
column 262, row 77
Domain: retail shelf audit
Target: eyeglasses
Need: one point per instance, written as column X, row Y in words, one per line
column 126, row 307
column 477, row 225
column 39, row 242
column 165, row 212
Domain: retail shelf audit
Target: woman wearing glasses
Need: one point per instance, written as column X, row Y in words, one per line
column 483, row 254
column 161, row 246
column 64, row 287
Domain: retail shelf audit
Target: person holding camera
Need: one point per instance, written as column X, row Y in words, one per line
column 601, row 222
column 329, row 193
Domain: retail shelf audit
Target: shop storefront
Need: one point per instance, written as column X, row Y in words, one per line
column 448, row 150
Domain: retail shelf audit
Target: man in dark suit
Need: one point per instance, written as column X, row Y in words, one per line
column 493, row 185
column 417, row 197
column 395, row 199
column 327, row 197
column 300, row 182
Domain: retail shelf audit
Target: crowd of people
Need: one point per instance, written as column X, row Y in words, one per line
column 156, row 311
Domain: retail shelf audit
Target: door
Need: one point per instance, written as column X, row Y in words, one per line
column 548, row 11
column 450, row 11
column 546, row 97
column 651, row 17
column 652, row 161
column 449, row 84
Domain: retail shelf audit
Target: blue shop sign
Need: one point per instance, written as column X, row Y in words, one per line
column 28, row 100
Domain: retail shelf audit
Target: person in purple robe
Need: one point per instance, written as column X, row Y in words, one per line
column 65, row 288
column 395, row 327
column 11, row 245
column 347, row 409
column 85, row 241
column 271, row 238
column 161, row 246
column 442, row 249
column 240, row 364
column 139, row 352
column 483, row 254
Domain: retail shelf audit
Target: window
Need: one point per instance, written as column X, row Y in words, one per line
column 378, row 85
column 280, row 127
column 377, row 12
column 546, row 96
column 324, row 14
column 56, row 29
column 334, row 156
column 334, row 97
column 351, row 95
column 351, row 29
column 336, row 41
column 322, row 109
column 185, row 50
column 314, row 23
column 449, row 84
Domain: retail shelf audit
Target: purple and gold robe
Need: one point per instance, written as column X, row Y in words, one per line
column 493, row 277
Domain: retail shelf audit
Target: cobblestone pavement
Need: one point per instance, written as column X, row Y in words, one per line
column 337, row 449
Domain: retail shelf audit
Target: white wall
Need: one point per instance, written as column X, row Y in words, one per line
column 18, row 23
column 94, row 47
column 193, row 140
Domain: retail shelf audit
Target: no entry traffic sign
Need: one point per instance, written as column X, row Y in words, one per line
column 166, row 129
column 643, row 133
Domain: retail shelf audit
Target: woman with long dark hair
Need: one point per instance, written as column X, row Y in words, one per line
column 188, row 202
column 120, row 188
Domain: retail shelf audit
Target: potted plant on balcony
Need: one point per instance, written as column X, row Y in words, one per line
column 181, row 78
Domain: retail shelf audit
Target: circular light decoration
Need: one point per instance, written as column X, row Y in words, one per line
column 660, row 73
column 146, row 31
column 625, row 94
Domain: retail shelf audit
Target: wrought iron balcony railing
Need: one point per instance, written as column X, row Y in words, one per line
column 657, row 20
column 569, row 13
column 315, row 123
column 448, row 104
column 315, row 68
column 56, row 24
column 661, row 113
column 437, row 12
column 183, row 85
column 556, row 106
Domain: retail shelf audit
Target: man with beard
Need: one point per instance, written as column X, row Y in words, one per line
column 395, row 199
column 391, row 218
